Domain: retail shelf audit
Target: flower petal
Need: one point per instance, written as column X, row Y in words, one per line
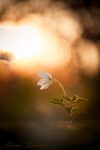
column 47, row 75
column 42, row 82
column 50, row 81
column 41, row 75
column 45, row 86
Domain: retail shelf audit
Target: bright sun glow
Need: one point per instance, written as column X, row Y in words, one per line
column 23, row 41
column 31, row 43
column 37, row 46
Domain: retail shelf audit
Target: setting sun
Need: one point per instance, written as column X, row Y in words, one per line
column 32, row 43
column 23, row 41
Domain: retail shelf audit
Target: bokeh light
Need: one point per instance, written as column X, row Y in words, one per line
column 63, row 39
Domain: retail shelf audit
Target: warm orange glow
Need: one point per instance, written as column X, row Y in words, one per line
column 26, row 41
column 30, row 42
column 33, row 45
column 89, row 56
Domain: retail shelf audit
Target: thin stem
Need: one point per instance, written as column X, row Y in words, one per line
column 60, row 86
column 64, row 101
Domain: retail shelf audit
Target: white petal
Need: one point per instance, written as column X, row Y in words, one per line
column 41, row 75
column 47, row 74
column 50, row 81
column 45, row 86
column 42, row 81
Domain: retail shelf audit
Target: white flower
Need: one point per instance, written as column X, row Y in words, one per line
column 46, row 81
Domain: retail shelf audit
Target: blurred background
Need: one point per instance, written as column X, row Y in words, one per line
column 61, row 37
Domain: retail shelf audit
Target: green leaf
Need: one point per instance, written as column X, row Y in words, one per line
column 74, row 98
column 67, row 98
column 56, row 101
column 76, row 110
column 79, row 100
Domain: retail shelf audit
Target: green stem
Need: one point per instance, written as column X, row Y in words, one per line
column 60, row 86
column 64, row 101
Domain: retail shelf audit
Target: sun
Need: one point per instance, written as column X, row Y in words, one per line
column 32, row 43
column 26, row 42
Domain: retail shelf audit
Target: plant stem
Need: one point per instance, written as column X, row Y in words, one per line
column 60, row 86
column 64, row 101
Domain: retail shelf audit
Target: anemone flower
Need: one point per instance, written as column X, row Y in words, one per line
column 46, row 81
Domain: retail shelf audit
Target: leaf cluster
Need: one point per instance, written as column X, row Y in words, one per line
column 73, row 100
column 56, row 101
